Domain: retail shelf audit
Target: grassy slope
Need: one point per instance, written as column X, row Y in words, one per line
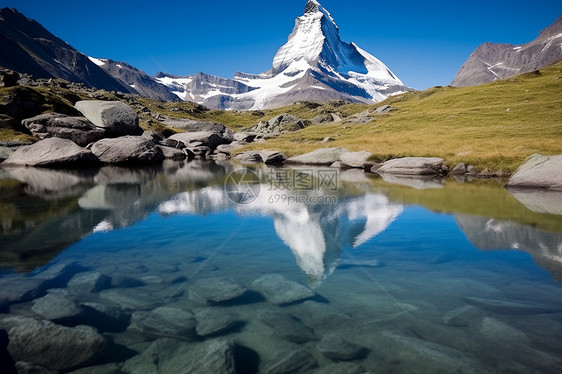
column 493, row 126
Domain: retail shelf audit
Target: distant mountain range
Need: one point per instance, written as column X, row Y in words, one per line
column 491, row 61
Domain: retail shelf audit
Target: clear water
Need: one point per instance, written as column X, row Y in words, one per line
column 426, row 276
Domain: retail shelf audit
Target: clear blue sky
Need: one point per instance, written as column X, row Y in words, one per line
column 424, row 43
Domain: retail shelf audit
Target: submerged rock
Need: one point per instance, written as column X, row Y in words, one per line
column 164, row 322
column 29, row 368
column 90, row 282
column 539, row 172
column 213, row 321
column 115, row 117
column 463, row 316
column 341, row 368
column 130, row 298
column 20, row 289
column 322, row 316
column 291, row 362
column 52, row 346
column 215, row 290
column 278, row 290
column 285, row 326
column 53, row 152
column 173, row 356
column 335, row 347
column 508, row 307
column 111, row 368
column 57, row 308
column 322, row 156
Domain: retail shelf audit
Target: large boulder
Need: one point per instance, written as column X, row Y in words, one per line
column 354, row 159
column 115, row 117
column 539, row 172
column 8, row 78
column 413, row 166
column 53, row 346
column 278, row 125
column 78, row 129
column 127, row 149
column 322, row 156
column 279, row 290
column 272, row 157
column 52, row 152
column 209, row 139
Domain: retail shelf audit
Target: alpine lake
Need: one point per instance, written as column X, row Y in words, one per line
column 207, row 267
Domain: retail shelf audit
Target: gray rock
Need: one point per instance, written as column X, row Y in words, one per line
column 508, row 307
column 164, row 322
column 6, row 152
column 291, row 362
column 326, row 118
column 341, row 368
column 130, row 298
column 90, row 282
column 278, row 125
column 413, row 166
column 54, row 347
column 355, row 159
column 57, row 308
column 55, row 125
column 115, row 117
column 285, row 326
column 229, row 148
column 52, row 152
column 58, row 274
column 459, row 169
column 244, row 137
column 173, row 153
column 463, row 316
column 111, row 368
column 215, row 290
column 20, row 289
column 321, row 315
column 213, row 321
column 195, row 126
column 334, row 347
column 496, row 330
column 278, row 290
column 249, row 157
column 538, row 172
column 272, row 157
column 29, row 368
column 384, row 109
column 173, row 356
column 322, row 156
column 207, row 138
column 328, row 139
column 127, row 149
column 172, row 143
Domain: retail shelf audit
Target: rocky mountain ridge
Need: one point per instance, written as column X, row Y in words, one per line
column 491, row 61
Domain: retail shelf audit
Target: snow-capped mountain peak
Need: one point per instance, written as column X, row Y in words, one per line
column 314, row 64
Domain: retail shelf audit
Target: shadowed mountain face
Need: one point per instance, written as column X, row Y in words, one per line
column 491, row 61
column 35, row 51
column 314, row 64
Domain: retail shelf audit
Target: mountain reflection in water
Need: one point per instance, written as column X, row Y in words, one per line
column 45, row 211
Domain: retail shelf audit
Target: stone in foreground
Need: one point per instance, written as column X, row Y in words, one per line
column 215, row 290
column 173, row 356
column 538, row 172
column 54, row 152
column 57, row 308
column 278, row 290
column 292, row 362
column 322, row 156
column 213, row 321
column 127, row 149
column 52, row 346
column 335, row 347
column 164, row 322
column 55, row 125
column 286, row 326
column 413, row 166
column 115, row 117
column 355, row 159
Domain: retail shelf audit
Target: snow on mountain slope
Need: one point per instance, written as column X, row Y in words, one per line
column 314, row 64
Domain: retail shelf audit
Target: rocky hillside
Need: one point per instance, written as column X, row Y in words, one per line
column 492, row 61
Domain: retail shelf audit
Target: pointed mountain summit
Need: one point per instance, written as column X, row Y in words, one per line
column 491, row 61
column 314, row 64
